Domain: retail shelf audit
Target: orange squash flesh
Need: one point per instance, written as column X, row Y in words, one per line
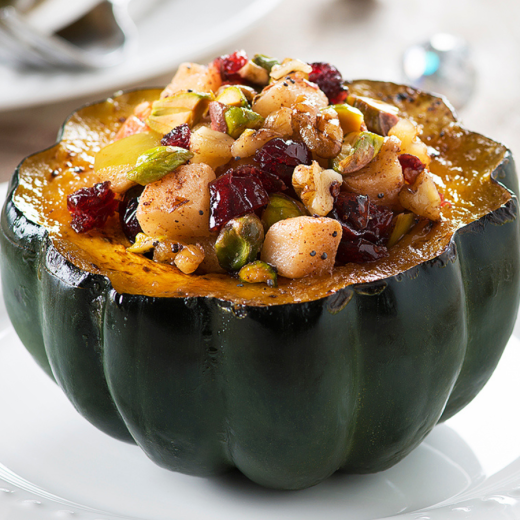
column 462, row 170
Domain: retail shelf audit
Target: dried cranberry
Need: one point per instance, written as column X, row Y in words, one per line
column 234, row 195
column 280, row 157
column 365, row 226
column 350, row 232
column 229, row 65
column 412, row 166
column 330, row 81
column 91, row 207
column 361, row 218
column 178, row 136
column 379, row 224
column 127, row 213
column 353, row 208
column 359, row 251
column 380, row 219
column 271, row 183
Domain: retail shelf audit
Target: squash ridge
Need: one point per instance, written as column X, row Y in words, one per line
column 490, row 318
column 71, row 332
column 20, row 263
column 416, row 362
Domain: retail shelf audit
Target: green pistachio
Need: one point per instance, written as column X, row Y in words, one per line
column 239, row 242
column 124, row 153
column 238, row 119
column 379, row 117
column 249, row 92
column 403, row 223
column 265, row 62
column 357, row 150
column 144, row 243
column 281, row 207
column 157, row 162
column 233, row 97
column 350, row 118
column 177, row 109
column 259, row 272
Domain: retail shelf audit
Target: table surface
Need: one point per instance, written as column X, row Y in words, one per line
column 364, row 39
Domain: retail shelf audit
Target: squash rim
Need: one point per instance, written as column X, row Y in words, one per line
column 368, row 288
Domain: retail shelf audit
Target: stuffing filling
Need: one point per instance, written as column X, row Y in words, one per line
column 261, row 168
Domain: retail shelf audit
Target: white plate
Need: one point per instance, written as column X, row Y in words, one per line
column 50, row 16
column 169, row 32
column 54, row 464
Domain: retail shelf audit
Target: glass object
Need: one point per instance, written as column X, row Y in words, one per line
column 443, row 64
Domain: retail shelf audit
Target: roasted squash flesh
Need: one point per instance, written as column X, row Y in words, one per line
column 462, row 169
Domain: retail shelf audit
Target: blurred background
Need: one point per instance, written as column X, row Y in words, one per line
column 467, row 49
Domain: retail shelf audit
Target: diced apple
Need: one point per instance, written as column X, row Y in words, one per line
column 189, row 258
column 302, row 246
column 383, row 175
column 253, row 73
column 288, row 66
column 419, row 149
column 177, row 109
column 405, row 130
column 408, row 133
column 177, row 206
column 192, row 76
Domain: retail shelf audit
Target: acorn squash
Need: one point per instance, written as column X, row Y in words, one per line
column 288, row 384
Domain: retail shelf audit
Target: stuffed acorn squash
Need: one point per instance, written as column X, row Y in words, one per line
column 294, row 376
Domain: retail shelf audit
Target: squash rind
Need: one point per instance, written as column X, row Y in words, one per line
column 289, row 393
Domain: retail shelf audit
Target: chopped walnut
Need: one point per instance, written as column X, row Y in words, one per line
column 280, row 121
column 313, row 185
column 189, row 258
column 320, row 130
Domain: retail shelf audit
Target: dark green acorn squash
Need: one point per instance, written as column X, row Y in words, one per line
column 290, row 384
